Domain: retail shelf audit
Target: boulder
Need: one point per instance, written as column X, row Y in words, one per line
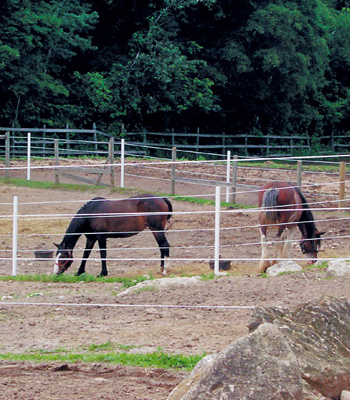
column 283, row 266
column 319, row 335
column 258, row 366
column 338, row 268
column 301, row 353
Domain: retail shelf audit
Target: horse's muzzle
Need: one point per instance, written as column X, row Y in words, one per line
column 311, row 258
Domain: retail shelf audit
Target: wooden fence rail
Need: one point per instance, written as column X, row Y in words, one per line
column 95, row 142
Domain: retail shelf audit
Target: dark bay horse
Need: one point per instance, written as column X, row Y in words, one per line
column 101, row 218
column 284, row 207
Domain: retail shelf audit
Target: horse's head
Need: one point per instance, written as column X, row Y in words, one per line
column 310, row 247
column 64, row 258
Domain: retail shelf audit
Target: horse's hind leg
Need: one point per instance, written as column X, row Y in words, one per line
column 164, row 250
column 88, row 247
column 264, row 262
column 102, row 242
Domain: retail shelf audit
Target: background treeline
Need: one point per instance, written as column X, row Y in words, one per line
column 235, row 66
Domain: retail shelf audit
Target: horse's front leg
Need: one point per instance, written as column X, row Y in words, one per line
column 88, row 247
column 102, row 242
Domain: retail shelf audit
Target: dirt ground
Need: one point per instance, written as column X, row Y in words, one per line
column 44, row 216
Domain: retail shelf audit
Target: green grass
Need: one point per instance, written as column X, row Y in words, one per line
column 82, row 187
column 150, row 360
column 125, row 281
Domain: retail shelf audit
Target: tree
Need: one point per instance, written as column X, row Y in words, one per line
column 37, row 42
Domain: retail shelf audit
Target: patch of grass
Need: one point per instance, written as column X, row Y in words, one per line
column 195, row 200
column 208, row 277
column 48, row 185
column 319, row 267
column 156, row 359
column 125, row 281
column 146, row 289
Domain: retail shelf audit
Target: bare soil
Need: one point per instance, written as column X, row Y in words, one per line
column 143, row 329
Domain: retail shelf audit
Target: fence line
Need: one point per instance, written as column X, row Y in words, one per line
column 16, row 303
column 217, row 229
column 230, row 181
column 267, row 145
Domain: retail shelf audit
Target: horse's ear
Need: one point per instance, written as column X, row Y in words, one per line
column 57, row 245
column 320, row 233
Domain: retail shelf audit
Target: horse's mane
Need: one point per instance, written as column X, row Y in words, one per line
column 306, row 219
column 87, row 208
column 77, row 225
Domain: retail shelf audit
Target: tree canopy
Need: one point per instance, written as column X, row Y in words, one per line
column 235, row 66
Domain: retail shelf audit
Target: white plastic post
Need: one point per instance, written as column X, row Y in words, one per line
column 228, row 176
column 15, row 235
column 217, row 230
column 28, row 156
column 122, row 158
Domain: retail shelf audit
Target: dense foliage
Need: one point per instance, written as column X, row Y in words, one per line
column 250, row 66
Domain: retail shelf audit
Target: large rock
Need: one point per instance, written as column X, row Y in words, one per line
column 301, row 353
column 338, row 268
column 283, row 267
column 319, row 335
column 258, row 366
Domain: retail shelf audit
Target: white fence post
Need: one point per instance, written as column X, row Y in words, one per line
column 28, row 156
column 217, row 230
column 228, row 176
column 15, row 235
column 122, row 158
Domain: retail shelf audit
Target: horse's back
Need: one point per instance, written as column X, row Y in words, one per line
column 276, row 193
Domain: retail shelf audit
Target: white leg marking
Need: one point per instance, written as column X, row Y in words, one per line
column 55, row 268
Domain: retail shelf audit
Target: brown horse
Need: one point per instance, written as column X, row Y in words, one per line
column 101, row 218
column 283, row 206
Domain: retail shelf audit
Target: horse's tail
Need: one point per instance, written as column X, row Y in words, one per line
column 170, row 208
column 269, row 204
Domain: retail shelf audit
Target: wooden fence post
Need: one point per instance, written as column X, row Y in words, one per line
column 234, row 180
column 341, row 202
column 173, row 166
column 95, row 138
column 57, row 176
column 111, row 159
column 7, row 154
column 67, row 140
column 44, row 142
column 299, row 169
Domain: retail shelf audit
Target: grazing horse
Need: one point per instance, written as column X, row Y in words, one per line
column 101, row 218
column 284, row 207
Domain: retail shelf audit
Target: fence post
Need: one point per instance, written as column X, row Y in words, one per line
column 341, row 202
column 67, row 140
column 7, row 154
column 299, row 170
column 122, row 161
column 197, row 140
column 44, row 142
column 228, row 176
column 217, row 231
column 28, row 155
column 57, row 176
column 173, row 167
column 15, row 235
column 234, row 180
column 95, row 138
column 111, row 162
